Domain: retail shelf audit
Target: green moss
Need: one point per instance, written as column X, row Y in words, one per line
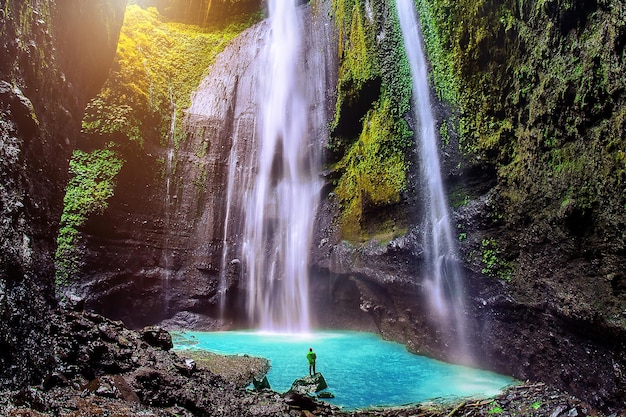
column 91, row 185
column 538, row 90
column 373, row 172
column 374, row 80
column 493, row 263
column 459, row 198
column 439, row 32
column 359, row 62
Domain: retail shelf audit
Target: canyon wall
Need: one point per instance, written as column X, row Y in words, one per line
column 55, row 58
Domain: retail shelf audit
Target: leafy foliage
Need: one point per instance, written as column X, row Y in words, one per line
column 493, row 263
column 157, row 66
column 91, row 184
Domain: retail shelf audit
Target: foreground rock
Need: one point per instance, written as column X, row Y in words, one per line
column 101, row 368
column 309, row 384
column 528, row 400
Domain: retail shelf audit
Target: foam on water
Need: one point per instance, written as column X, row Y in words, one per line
column 361, row 369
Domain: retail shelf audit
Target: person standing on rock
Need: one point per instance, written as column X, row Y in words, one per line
column 311, row 357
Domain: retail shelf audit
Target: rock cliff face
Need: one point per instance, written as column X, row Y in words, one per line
column 55, row 57
column 158, row 249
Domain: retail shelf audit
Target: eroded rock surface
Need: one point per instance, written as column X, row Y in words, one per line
column 48, row 72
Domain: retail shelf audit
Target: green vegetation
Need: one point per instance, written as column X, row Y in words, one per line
column 538, row 94
column 375, row 85
column 493, row 263
column 157, row 66
column 459, row 198
column 91, row 184
column 462, row 234
column 373, row 172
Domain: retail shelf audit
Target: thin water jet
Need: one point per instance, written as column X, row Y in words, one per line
column 444, row 280
column 230, row 188
column 169, row 168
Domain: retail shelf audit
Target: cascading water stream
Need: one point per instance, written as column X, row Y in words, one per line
column 232, row 170
column 282, row 204
column 169, row 167
column 237, row 178
column 444, row 280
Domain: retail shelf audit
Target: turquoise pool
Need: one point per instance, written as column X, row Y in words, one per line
column 361, row 369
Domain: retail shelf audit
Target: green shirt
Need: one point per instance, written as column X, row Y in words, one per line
column 311, row 356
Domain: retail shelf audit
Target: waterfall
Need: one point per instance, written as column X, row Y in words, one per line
column 281, row 205
column 230, row 185
column 236, row 181
column 443, row 275
column 169, row 171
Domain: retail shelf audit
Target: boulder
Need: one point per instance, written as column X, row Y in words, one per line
column 157, row 337
column 261, row 384
column 187, row 367
column 301, row 401
column 309, row 384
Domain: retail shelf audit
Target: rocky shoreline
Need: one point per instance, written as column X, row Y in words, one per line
column 100, row 368
column 239, row 370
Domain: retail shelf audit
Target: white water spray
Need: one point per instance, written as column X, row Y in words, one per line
column 444, row 280
column 282, row 205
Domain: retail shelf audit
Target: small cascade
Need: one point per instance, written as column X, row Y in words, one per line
column 236, row 177
column 443, row 275
column 223, row 284
column 282, row 203
column 169, row 168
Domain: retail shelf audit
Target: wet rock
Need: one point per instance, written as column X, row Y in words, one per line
column 300, row 400
column 261, row 384
column 157, row 337
column 54, row 379
column 22, row 109
column 188, row 367
column 309, row 384
column 105, row 388
column 124, row 389
column 72, row 302
column 558, row 411
column 30, row 397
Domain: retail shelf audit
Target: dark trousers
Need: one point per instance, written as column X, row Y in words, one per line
column 312, row 368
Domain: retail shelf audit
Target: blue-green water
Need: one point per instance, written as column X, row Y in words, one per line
column 361, row 369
